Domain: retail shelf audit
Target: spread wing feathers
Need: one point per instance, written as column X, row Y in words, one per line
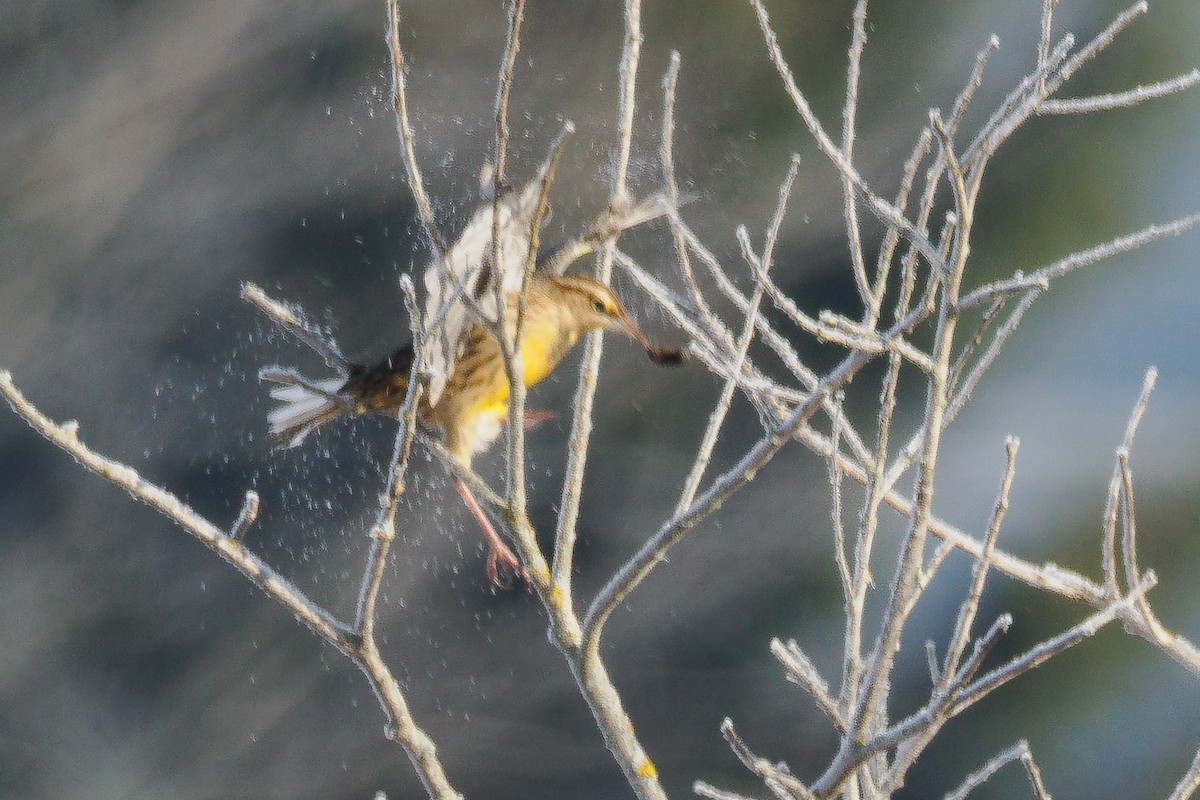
column 467, row 267
column 304, row 405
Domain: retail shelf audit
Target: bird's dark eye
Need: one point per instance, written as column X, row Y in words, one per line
column 598, row 306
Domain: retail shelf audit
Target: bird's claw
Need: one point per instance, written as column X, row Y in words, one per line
column 502, row 566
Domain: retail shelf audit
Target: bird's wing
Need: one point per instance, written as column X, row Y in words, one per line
column 466, row 268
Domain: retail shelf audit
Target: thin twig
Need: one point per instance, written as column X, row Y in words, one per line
column 1020, row 104
column 887, row 213
column 771, row 337
column 1127, row 99
column 584, row 655
column 508, row 340
column 517, row 498
column 1116, row 493
column 974, row 81
column 964, row 692
column 835, row 492
column 769, row 772
column 970, row 605
column 1043, row 54
column 761, row 266
column 1035, row 776
column 245, row 517
column 589, row 370
column 981, row 775
column 704, row 312
column 291, row 319
column 1189, row 783
column 803, row 672
column 1040, row 279
column 713, row 793
column 404, row 127
column 858, row 39
column 891, row 239
column 653, row 551
column 1040, row 653
column 384, row 531
column 962, row 392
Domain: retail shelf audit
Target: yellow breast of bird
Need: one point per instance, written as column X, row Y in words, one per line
column 475, row 401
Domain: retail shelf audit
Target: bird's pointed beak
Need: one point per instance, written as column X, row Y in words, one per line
column 659, row 355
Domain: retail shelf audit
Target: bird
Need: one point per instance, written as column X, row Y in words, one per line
column 466, row 391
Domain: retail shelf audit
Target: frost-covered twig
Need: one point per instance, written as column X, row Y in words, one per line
column 1041, row 278
column 404, row 128
column 776, row 776
column 761, row 265
column 1106, row 102
column 886, row 212
column 589, row 370
column 802, row 671
column 384, row 531
column 1189, row 783
column 292, row 320
column 870, row 295
column 980, row 776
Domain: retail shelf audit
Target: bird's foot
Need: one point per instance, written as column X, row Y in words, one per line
column 503, row 565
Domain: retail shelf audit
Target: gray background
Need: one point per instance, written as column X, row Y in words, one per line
column 156, row 154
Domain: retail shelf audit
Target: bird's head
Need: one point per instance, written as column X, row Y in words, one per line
column 593, row 305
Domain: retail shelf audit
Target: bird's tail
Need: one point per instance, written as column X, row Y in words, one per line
column 304, row 405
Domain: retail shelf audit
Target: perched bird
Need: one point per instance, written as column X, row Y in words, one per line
column 466, row 397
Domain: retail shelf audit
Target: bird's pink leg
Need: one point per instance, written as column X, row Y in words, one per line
column 501, row 558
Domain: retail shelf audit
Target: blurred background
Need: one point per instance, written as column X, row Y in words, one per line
column 157, row 154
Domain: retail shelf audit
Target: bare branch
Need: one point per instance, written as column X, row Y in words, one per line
column 709, row 440
column 886, row 212
column 401, row 727
column 291, row 319
column 245, row 517
column 1035, row 776
column 400, row 102
column 1108, row 541
column 770, row 773
column 962, row 692
column 641, row 563
column 835, row 491
column 974, row 81
column 778, row 344
column 970, row 606
column 589, row 370
column 1039, row 654
column 802, row 671
column 1103, row 39
column 384, row 531
column 512, row 45
column 981, row 775
column 891, row 239
column 931, row 661
column 1041, row 278
column 963, row 391
column 1120, row 489
column 858, row 40
column 1043, row 54
column 713, row 793
column 1106, row 102
column 1189, row 783
column 1021, row 103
